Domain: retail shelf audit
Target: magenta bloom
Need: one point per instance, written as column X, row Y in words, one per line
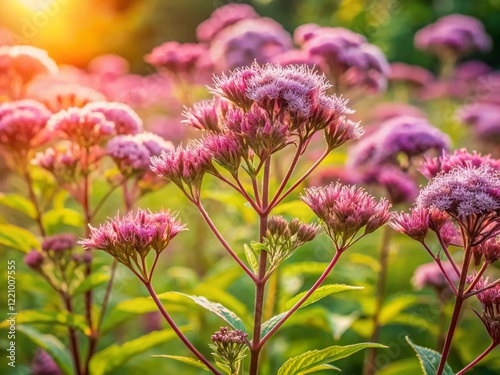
column 490, row 302
column 184, row 165
column 206, row 115
column 345, row 210
column 454, row 33
column 386, row 111
column 411, row 136
column 400, row 187
column 254, row 39
column 223, row 17
column 132, row 153
column 124, row 118
column 489, row 250
column 463, row 192
column 61, row 161
column 23, row 125
column 108, row 66
column 469, row 71
column 59, row 243
column 133, row 236
column 82, row 126
column 430, row 167
column 34, row 259
column 415, row 224
column 180, row 59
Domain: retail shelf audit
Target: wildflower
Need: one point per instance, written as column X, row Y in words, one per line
column 108, row 66
column 125, row 120
column 82, row 126
column 221, row 18
column 484, row 118
column 230, row 348
column 205, row 115
column 132, row 153
column 133, row 236
column 184, row 165
column 25, row 62
column 179, row 59
column 34, row 259
column 489, row 250
column 431, row 275
column 59, row 243
column 386, row 111
column 406, row 135
column 455, row 33
column 345, row 210
column 415, row 224
column 23, row 125
column 62, row 161
column 234, row 86
column 470, row 71
column 283, row 237
column 463, row 192
column 399, row 185
column 430, row 167
column 249, row 40
column 490, row 302
column 449, row 233
column 341, row 131
column 226, row 149
column 43, row 364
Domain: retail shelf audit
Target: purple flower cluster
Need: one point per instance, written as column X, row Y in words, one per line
column 59, row 243
column 431, row 275
column 490, row 301
column 485, row 120
column 133, row 236
column 456, row 33
column 345, row 210
column 345, row 56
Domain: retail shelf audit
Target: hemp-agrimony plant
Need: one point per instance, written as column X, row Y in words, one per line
column 257, row 116
column 461, row 205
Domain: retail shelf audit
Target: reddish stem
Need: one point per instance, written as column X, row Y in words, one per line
column 479, row 358
column 73, row 341
column 176, row 329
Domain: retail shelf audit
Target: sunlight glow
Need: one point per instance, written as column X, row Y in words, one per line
column 37, row 5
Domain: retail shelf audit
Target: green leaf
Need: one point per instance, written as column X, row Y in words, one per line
column 95, row 279
column 51, row 345
column 51, row 318
column 312, row 359
column 251, row 258
column 62, row 216
column 405, row 366
column 320, row 293
column 341, row 323
column 321, row 368
column 116, row 355
column 396, row 306
column 17, row 238
column 131, row 308
column 269, row 324
column 18, row 203
column 188, row 360
column 222, row 312
column 429, row 359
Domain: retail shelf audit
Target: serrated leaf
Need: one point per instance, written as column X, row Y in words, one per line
column 51, row 345
column 17, row 238
column 251, row 258
column 62, row 216
column 50, row 317
column 117, row 355
column 92, row 281
column 18, row 203
column 188, row 360
column 218, row 309
column 429, row 359
column 320, row 293
column 306, row 361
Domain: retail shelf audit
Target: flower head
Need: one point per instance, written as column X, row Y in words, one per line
column 125, row 120
column 34, row 259
column 415, row 224
column 411, row 74
column 206, row 115
column 431, row 275
column 62, row 161
column 82, row 126
column 23, row 125
column 59, row 243
column 229, row 348
column 133, row 236
column 345, row 210
column 490, row 302
column 484, row 119
column 226, row 149
column 489, row 250
column 455, row 33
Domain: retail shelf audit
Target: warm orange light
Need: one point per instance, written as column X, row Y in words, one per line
column 37, row 5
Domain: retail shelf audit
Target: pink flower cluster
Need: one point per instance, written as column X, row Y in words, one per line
column 133, row 236
column 457, row 34
column 345, row 210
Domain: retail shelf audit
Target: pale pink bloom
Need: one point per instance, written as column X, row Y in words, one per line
column 124, row 118
column 386, row 111
column 23, row 125
column 411, row 74
column 109, row 66
column 470, row 71
column 431, row 275
column 81, row 125
column 485, row 120
column 489, row 250
column 62, row 161
column 59, row 243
